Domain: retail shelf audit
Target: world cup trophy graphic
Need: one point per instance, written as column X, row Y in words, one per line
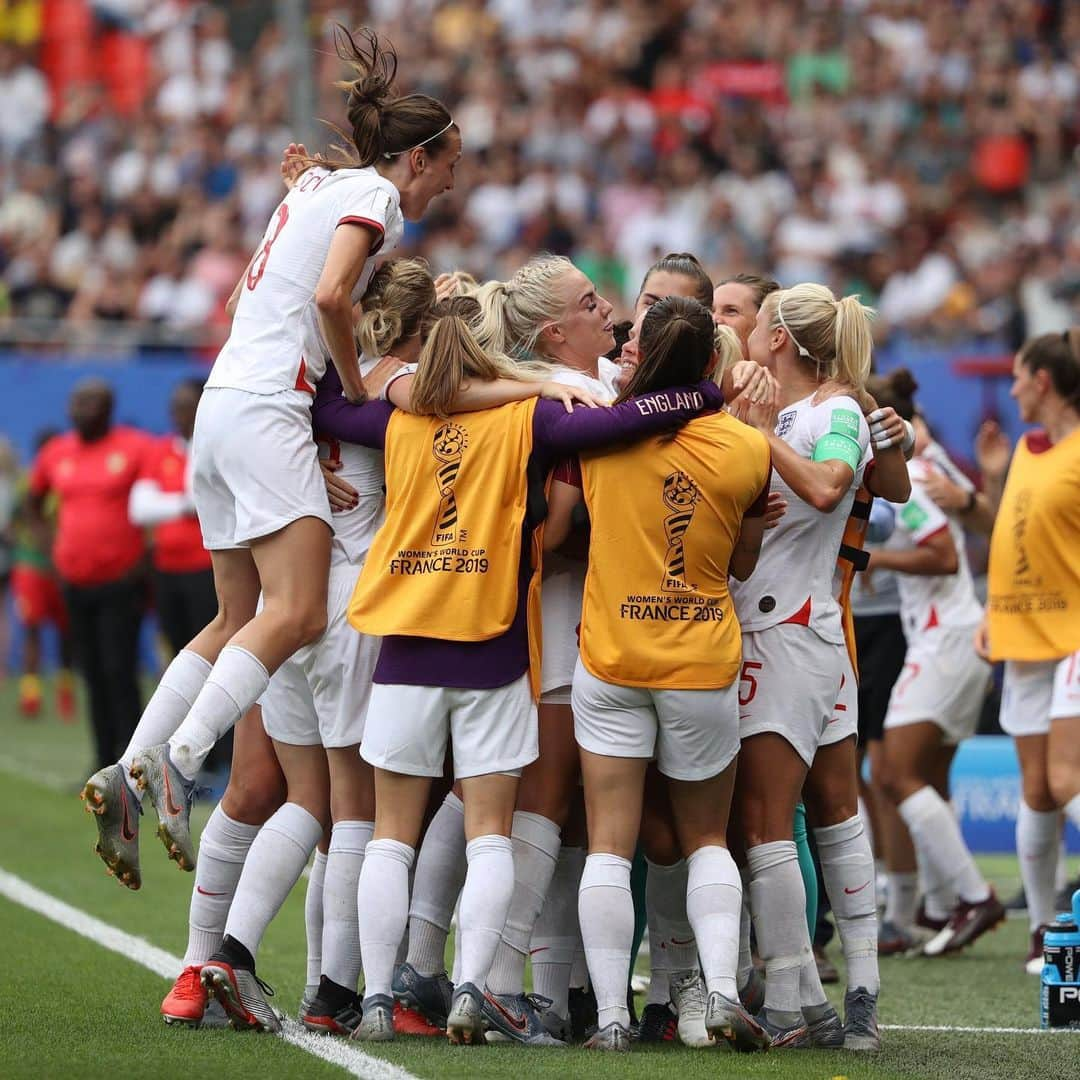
column 447, row 447
column 681, row 495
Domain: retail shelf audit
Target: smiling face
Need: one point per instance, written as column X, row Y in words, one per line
column 630, row 354
column 661, row 283
column 583, row 331
column 431, row 175
column 734, row 306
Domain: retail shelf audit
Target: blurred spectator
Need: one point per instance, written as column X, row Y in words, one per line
column 98, row 554
column 888, row 145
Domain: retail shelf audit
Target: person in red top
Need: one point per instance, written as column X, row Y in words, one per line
column 161, row 500
column 98, row 554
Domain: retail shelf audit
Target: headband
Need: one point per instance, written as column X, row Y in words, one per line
column 802, row 350
column 430, row 138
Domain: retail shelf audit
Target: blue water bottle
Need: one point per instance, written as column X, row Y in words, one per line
column 1060, row 988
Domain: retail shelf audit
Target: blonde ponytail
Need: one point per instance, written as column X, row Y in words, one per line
column 450, row 355
column 831, row 336
column 853, row 342
column 396, row 305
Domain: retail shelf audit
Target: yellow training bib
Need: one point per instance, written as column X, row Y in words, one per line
column 1033, row 602
column 445, row 562
column 666, row 514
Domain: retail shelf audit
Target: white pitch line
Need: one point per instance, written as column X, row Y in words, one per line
column 980, row 1030
column 348, row 1057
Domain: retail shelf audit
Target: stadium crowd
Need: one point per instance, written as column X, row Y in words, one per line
column 379, row 611
column 919, row 154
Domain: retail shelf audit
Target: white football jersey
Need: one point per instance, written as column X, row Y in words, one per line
column 363, row 468
column 926, row 601
column 601, row 387
column 793, row 580
column 275, row 342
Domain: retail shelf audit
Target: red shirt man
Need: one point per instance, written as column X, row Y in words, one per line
column 95, row 542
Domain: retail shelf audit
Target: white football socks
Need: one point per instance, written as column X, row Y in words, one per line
column 1037, row 844
column 223, row 848
column 1072, row 810
column 778, row 903
column 746, row 957
column 382, row 898
column 713, row 906
column 274, row 864
column 237, row 681
column 902, row 899
column 536, row 842
column 341, row 960
column 936, row 833
column 847, row 865
column 557, row 935
column 485, row 900
column 440, row 874
column 176, row 692
column 606, row 912
column 313, row 921
column 671, row 939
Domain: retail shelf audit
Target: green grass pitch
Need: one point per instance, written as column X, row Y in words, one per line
column 69, row 1007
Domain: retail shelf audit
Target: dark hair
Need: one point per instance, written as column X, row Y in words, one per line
column 676, row 345
column 382, row 124
column 1059, row 356
column 895, row 390
column 621, row 333
column 758, row 285
column 682, row 262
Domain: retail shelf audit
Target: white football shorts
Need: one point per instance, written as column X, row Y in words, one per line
column 321, row 693
column 490, row 731
column 692, row 734
column 1038, row 691
column 255, row 468
column 943, row 681
column 844, row 723
column 789, row 685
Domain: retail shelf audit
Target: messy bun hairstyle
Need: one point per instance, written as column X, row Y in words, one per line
column 897, row 390
column 396, row 304
column 381, row 124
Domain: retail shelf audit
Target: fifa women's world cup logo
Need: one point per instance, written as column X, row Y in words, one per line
column 681, row 495
column 447, row 447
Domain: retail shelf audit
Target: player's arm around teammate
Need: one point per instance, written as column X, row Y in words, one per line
column 658, row 667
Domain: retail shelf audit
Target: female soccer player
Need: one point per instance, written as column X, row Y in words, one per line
column 935, row 703
column 257, row 484
column 793, row 649
column 329, row 681
column 447, row 585
column 657, row 675
column 1033, row 610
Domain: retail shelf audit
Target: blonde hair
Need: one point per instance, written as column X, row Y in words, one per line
column 452, row 355
column 396, row 304
column 464, row 283
column 728, row 350
column 832, row 336
column 514, row 313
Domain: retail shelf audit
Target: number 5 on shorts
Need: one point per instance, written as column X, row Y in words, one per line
column 748, row 680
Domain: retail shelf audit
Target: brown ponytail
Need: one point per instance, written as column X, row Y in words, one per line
column 381, row 124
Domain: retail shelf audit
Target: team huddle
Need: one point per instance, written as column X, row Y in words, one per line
column 506, row 605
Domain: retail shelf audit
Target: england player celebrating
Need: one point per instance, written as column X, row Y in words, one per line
column 936, row 701
column 793, row 648
column 258, row 489
column 657, row 674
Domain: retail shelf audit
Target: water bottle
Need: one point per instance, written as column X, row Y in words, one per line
column 1060, row 985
